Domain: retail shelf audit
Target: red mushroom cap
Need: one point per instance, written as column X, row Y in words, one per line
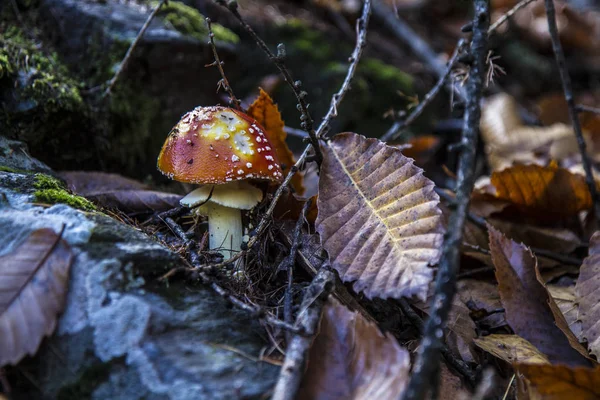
column 214, row 145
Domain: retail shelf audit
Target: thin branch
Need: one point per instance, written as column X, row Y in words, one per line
column 568, row 90
column 219, row 64
column 297, row 351
column 132, row 47
column 584, row 108
column 305, row 118
column 295, row 132
column 15, row 7
column 419, row 47
column 362, row 31
column 426, row 367
column 361, row 40
column 508, row 14
column 398, row 126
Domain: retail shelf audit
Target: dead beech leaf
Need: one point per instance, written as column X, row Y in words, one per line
column 351, row 359
column 588, row 295
column 566, row 300
column 508, row 141
column 511, row 348
column 559, row 382
column 530, row 310
column 33, row 286
column 118, row 192
column 136, row 201
column 378, row 217
column 483, row 300
column 265, row 111
column 542, row 191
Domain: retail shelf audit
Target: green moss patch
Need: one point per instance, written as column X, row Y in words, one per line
column 51, row 191
column 190, row 21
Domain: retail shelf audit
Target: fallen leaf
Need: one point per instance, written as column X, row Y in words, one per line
column 511, row 348
column 566, row 300
column 351, row 359
column 33, row 286
column 508, row 141
column 266, row 113
column 118, row 192
column 378, row 218
column 136, row 201
column 588, row 296
column 460, row 328
column 483, row 300
column 545, row 192
column 92, row 182
column 559, row 382
column 530, row 310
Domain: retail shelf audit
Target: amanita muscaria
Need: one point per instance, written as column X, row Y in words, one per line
column 223, row 150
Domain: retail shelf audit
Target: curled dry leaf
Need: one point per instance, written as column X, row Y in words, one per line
column 559, row 382
column 483, row 301
column 530, row 310
column 588, row 295
column 266, row 113
column 351, row 359
column 378, row 218
column 118, row 192
column 508, row 141
column 33, row 286
column 512, row 349
column 544, row 192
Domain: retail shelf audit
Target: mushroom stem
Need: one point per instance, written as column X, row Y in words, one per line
column 224, row 228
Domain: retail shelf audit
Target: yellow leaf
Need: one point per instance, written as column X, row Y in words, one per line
column 544, row 191
column 511, row 348
column 265, row 111
column 558, row 382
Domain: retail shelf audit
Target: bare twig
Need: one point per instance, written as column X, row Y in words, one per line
column 305, row 117
column 508, row 14
column 361, row 40
column 568, row 91
column 17, row 12
column 297, row 350
column 397, row 127
column 295, row 132
column 426, row 367
column 584, row 108
column 224, row 82
column 132, row 47
column 254, row 310
column 302, row 159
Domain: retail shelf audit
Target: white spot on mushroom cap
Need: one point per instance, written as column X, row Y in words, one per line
column 249, row 165
column 235, row 158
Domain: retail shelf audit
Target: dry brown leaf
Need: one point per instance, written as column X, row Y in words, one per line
column 460, row 328
column 511, row 348
column 378, row 218
column 588, row 296
column 545, row 192
column 351, row 359
column 265, row 111
column 566, row 300
column 509, row 142
column 118, row 192
column 136, row 201
column 559, row 382
column 33, row 286
column 483, row 300
column 530, row 310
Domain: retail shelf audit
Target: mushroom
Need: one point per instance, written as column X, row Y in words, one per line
column 222, row 150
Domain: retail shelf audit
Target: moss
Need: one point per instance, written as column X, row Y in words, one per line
column 4, row 168
column 50, row 190
column 190, row 21
column 305, row 39
column 386, row 74
column 47, row 80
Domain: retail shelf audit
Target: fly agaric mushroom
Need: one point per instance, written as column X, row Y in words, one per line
column 221, row 149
